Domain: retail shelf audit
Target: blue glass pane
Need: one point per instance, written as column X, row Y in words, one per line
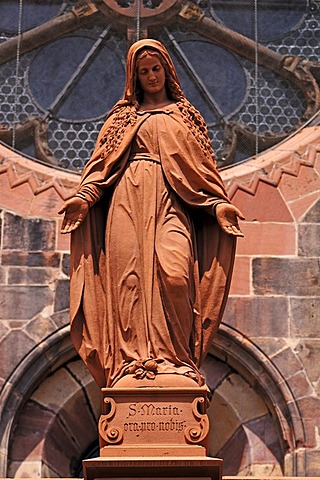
column 274, row 18
column 97, row 89
column 192, row 94
column 221, row 73
column 34, row 13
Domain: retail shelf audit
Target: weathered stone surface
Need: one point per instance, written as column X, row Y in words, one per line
column 310, row 411
column 258, row 316
column 214, row 371
column 300, row 385
column 64, row 395
column 4, row 329
column 293, row 186
column 62, row 452
column 21, row 302
column 3, row 275
column 265, row 440
column 305, row 317
column 79, row 371
column 308, row 352
column 266, row 205
column 14, row 347
column 301, row 205
column 224, row 423
column 262, row 238
column 236, row 388
column 270, row 345
column 29, row 276
column 313, row 463
column 66, row 263
column 287, row 362
column 235, row 446
column 63, row 241
column 31, row 259
column 40, row 327
column 313, row 215
column 317, row 388
column 34, row 422
column 27, row 469
column 61, row 301
column 286, row 276
column 28, row 234
column 309, row 240
column 241, row 279
column 61, row 319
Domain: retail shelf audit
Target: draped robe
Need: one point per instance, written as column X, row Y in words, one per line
column 150, row 266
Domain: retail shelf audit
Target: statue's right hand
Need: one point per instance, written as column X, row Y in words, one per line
column 75, row 211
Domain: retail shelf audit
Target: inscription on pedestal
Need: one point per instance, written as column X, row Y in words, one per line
column 153, row 417
column 149, row 417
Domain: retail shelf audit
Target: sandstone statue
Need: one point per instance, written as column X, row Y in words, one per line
column 153, row 233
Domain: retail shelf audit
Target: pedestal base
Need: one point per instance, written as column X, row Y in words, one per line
column 169, row 468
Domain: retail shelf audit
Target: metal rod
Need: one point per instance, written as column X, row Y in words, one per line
column 256, row 73
column 79, row 72
column 138, row 13
column 194, row 76
column 15, row 121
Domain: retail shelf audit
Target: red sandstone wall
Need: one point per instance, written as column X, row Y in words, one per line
column 274, row 300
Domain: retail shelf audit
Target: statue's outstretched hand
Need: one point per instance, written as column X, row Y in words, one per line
column 227, row 217
column 75, row 211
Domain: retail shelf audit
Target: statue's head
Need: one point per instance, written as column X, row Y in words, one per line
column 150, row 48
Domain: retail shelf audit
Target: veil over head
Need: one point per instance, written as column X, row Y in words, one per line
column 132, row 56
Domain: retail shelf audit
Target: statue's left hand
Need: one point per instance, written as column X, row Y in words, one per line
column 227, row 216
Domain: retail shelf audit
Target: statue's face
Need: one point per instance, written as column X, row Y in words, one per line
column 151, row 74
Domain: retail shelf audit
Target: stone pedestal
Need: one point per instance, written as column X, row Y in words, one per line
column 169, row 468
column 154, row 429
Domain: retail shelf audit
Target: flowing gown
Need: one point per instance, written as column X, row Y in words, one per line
column 149, row 265
column 150, row 270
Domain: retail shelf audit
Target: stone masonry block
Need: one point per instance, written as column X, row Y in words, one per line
column 61, row 319
column 40, row 328
column 21, row 302
column 28, row 233
column 270, row 345
column 262, row 238
column 308, row 352
column 62, row 295
column 281, row 276
column 3, row 275
column 34, row 423
column 29, row 276
column 305, row 317
column 259, row 316
column 287, row 362
column 308, row 240
column 299, row 385
column 266, row 205
column 31, row 259
column 313, row 215
column 14, row 347
column 215, row 371
column 4, row 329
column 66, row 264
column 241, row 278
column 310, row 412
